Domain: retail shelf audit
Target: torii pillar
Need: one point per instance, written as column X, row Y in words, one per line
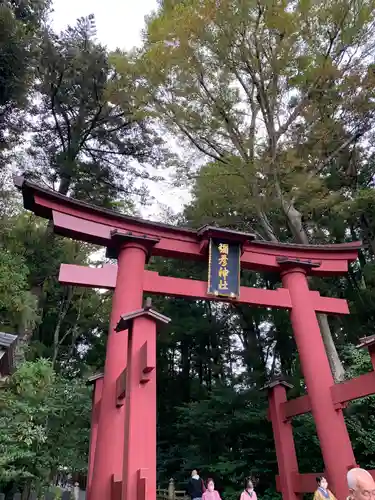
column 139, row 466
column 283, row 436
column 333, row 435
column 132, row 252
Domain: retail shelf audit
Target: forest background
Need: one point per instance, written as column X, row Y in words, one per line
column 270, row 105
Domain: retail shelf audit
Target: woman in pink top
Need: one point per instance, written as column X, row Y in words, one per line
column 248, row 493
column 211, row 493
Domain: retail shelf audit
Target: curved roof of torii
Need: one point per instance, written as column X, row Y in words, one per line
column 86, row 222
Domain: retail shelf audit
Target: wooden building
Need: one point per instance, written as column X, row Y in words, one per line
column 7, row 346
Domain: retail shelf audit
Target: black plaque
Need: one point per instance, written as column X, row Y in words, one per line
column 224, row 265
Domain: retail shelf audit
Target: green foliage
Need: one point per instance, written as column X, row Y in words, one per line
column 38, row 408
column 17, row 305
column 256, row 88
column 82, row 141
column 266, row 96
column 20, row 31
column 220, row 447
column 20, row 22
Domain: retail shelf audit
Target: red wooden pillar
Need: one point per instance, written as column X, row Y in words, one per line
column 131, row 252
column 97, row 381
column 139, row 473
column 284, row 442
column 329, row 420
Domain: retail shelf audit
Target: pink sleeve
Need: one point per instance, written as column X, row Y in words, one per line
column 218, row 497
column 242, row 496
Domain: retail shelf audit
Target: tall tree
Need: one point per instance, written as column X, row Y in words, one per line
column 241, row 81
column 21, row 25
column 83, row 143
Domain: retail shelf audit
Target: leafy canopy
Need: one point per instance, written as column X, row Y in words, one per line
column 38, row 408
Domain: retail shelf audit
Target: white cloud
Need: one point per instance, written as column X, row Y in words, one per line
column 119, row 22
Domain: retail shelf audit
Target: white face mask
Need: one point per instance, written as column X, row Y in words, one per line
column 324, row 485
column 195, row 476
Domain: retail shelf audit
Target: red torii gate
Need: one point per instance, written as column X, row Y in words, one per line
column 281, row 411
column 123, row 440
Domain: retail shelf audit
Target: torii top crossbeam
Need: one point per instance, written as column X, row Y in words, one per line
column 85, row 222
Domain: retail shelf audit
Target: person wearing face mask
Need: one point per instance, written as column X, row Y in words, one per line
column 248, row 492
column 322, row 492
column 211, row 493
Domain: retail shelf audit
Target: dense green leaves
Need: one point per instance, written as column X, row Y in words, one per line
column 17, row 306
column 267, row 96
column 83, row 143
column 44, row 424
column 20, row 24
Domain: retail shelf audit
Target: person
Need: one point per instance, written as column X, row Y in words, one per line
column 211, row 493
column 195, row 487
column 361, row 484
column 322, row 491
column 248, row 491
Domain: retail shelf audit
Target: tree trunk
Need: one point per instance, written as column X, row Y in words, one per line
column 337, row 368
column 368, row 235
column 24, row 332
column 185, row 368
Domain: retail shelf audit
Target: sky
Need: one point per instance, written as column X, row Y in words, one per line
column 119, row 24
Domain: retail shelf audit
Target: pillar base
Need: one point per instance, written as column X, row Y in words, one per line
column 116, row 487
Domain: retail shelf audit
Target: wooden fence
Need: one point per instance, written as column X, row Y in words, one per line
column 66, row 495
column 170, row 493
column 75, row 494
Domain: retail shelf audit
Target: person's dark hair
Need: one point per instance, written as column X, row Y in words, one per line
column 247, row 481
column 319, row 479
column 210, row 480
